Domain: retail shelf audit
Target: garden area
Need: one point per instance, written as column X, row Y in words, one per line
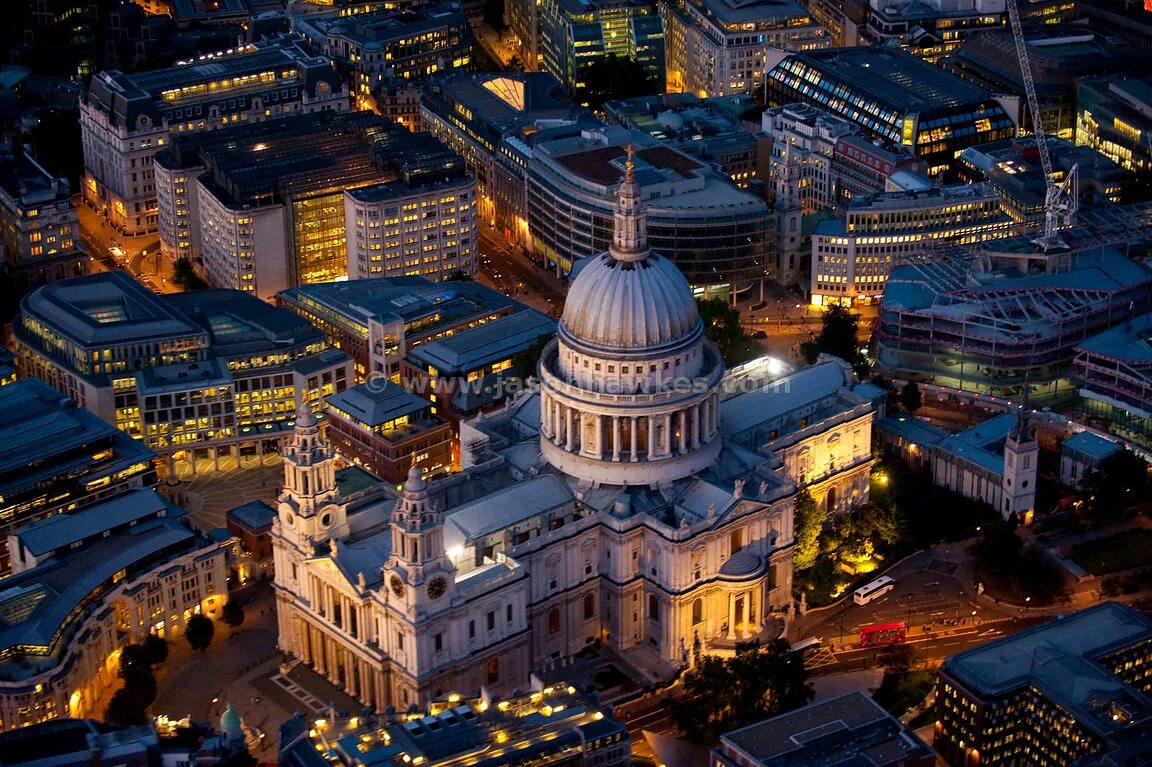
column 1128, row 550
column 1016, row 572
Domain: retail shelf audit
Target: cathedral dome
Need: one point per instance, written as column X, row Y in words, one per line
column 638, row 305
column 630, row 299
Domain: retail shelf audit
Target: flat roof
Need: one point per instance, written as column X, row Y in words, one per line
column 1128, row 342
column 106, row 308
column 779, row 397
column 489, row 342
column 1092, row 445
column 255, row 515
column 753, row 11
column 1058, row 658
column 62, row 530
column 377, row 402
column 507, row 506
column 605, row 165
column 850, row 729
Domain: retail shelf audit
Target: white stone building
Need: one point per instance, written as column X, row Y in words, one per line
column 606, row 508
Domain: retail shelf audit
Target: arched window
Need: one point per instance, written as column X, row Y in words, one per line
column 589, row 606
column 493, row 670
column 697, row 611
column 554, row 620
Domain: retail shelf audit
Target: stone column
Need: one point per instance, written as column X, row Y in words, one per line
column 683, row 432
column 666, row 443
column 569, row 442
column 731, row 615
column 695, row 426
column 632, row 434
column 652, row 448
column 615, row 438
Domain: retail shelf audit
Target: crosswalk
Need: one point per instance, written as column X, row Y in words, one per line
column 313, row 704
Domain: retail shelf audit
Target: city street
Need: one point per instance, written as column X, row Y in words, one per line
column 140, row 256
column 514, row 275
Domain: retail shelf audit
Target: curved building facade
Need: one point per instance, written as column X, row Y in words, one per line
column 714, row 232
column 629, row 386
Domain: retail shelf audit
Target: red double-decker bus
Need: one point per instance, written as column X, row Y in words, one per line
column 881, row 634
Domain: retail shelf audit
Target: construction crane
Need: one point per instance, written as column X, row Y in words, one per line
column 1060, row 200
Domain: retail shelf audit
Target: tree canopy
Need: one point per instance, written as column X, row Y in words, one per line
column 611, row 77
column 1014, row 571
column 1119, row 483
column 910, row 397
column 233, row 613
column 723, row 328
column 129, row 704
column 807, row 523
column 184, row 275
column 838, row 337
column 722, row 694
column 199, row 631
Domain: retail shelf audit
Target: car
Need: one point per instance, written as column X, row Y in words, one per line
column 118, row 252
column 760, row 334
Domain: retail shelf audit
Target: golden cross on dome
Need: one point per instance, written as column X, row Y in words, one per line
column 629, row 168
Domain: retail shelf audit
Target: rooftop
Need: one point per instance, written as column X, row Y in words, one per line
column 373, row 29
column 107, row 308
column 1130, row 342
column 1092, row 445
column 851, row 729
column 728, row 12
column 377, row 402
column 502, row 103
column 1060, row 658
column 417, row 302
column 895, row 79
column 485, row 344
column 254, row 515
column 61, row 530
column 777, row 398
column 506, row 507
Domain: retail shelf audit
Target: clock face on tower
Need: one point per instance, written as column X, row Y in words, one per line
column 437, row 587
column 397, row 586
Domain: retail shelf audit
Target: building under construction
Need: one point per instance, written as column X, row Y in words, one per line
column 989, row 319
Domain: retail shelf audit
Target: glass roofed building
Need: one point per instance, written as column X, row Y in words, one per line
column 894, row 96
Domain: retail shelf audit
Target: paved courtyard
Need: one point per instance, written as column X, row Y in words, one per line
column 211, row 492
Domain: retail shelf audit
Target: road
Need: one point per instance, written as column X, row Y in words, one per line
column 516, row 276
column 140, row 256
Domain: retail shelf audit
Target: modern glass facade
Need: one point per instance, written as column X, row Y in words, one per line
column 574, row 33
column 318, row 227
column 894, row 96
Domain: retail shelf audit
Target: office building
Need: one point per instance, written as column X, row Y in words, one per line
column 934, row 28
column 716, row 233
column 894, row 96
column 1083, row 453
column 990, row 322
column 612, row 510
column 1129, row 19
column 1113, row 373
column 1013, row 168
column 575, row 33
column 552, row 726
column 841, row 730
column 58, row 457
column 377, row 322
column 707, row 129
column 207, row 370
column 398, row 100
column 1112, row 117
column 474, row 113
column 87, row 584
column 853, row 253
column 721, row 47
column 263, row 206
column 1059, row 57
column 79, row 743
column 251, row 523
column 994, row 462
column 470, row 371
column 381, row 41
column 126, row 119
column 39, row 230
column 386, row 429
column 419, row 225
column 1073, row 688
column 7, row 366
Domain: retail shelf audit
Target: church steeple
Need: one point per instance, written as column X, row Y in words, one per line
column 417, row 529
column 630, row 231
column 309, row 470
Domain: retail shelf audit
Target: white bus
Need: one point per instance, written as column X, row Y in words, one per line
column 876, row 588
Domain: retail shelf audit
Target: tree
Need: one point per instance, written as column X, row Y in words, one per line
column 910, row 397
column 723, row 328
column 838, row 337
column 524, row 363
column 184, row 275
column 1116, row 486
column 722, row 694
column 156, row 647
column 807, row 523
column 198, row 631
column 611, row 77
column 898, row 658
column 232, row 613
column 123, row 708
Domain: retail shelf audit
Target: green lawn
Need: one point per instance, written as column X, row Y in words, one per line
column 1124, row 551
